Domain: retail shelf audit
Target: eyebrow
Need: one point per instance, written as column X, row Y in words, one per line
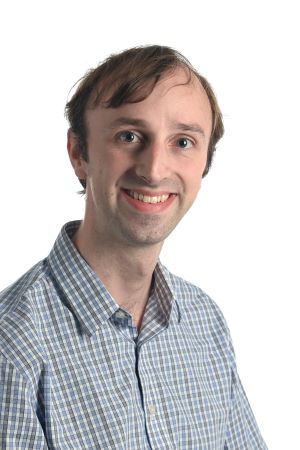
column 128, row 121
column 194, row 127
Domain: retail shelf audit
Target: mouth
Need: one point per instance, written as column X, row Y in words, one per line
column 143, row 202
column 148, row 198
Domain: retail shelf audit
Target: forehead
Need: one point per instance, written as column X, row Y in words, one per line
column 175, row 97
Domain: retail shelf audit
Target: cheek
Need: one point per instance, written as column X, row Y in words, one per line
column 115, row 163
column 105, row 177
column 195, row 184
column 193, row 173
column 101, row 170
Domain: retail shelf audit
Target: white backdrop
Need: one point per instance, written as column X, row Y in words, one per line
column 240, row 242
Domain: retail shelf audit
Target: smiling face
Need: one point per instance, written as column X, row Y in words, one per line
column 145, row 162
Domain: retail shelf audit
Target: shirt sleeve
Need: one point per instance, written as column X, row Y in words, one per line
column 19, row 424
column 242, row 432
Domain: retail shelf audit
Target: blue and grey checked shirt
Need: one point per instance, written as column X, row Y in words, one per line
column 75, row 374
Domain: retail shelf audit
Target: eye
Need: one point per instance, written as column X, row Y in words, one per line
column 129, row 137
column 184, row 143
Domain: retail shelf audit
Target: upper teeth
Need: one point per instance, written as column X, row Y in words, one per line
column 148, row 198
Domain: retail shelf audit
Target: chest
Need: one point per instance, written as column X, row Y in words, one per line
column 172, row 391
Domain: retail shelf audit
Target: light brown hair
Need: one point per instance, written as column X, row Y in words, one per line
column 129, row 77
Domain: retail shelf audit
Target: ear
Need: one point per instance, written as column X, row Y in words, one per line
column 77, row 161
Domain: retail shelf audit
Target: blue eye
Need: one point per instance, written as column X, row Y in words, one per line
column 184, row 143
column 129, row 137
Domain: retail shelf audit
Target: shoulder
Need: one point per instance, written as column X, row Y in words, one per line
column 199, row 311
column 20, row 324
column 194, row 299
column 10, row 297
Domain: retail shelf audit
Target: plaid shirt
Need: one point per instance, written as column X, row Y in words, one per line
column 75, row 374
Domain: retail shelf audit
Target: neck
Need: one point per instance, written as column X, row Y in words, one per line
column 125, row 270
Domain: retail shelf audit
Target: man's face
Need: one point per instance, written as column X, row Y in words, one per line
column 145, row 162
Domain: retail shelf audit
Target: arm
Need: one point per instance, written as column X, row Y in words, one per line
column 242, row 431
column 19, row 424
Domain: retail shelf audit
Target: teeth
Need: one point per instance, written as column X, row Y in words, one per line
column 148, row 199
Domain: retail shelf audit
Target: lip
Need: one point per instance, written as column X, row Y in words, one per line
column 147, row 192
column 152, row 208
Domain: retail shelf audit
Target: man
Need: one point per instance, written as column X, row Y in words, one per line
column 101, row 346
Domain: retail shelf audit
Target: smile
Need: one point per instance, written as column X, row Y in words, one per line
column 149, row 199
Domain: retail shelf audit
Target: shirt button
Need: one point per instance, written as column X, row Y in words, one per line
column 152, row 410
column 120, row 314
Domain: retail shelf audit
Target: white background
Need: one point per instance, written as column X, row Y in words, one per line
column 240, row 242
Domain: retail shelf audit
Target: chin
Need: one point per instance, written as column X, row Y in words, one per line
column 146, row 237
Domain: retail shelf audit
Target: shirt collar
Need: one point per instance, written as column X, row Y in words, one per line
column 84, row 293
column 81, row 288
column 166, row 293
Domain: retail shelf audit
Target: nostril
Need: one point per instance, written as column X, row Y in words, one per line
column 147, row 180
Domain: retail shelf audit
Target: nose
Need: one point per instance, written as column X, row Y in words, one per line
column 153, row 163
